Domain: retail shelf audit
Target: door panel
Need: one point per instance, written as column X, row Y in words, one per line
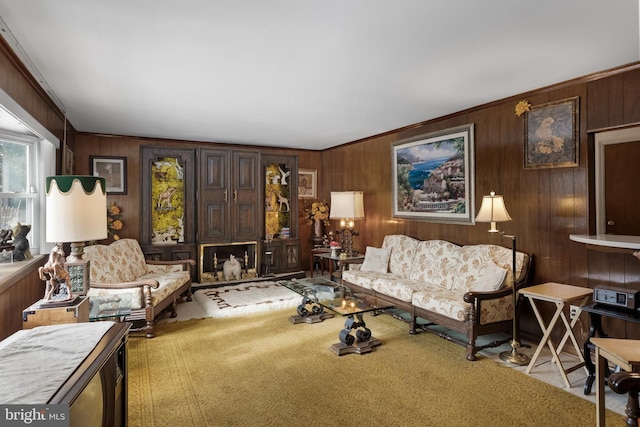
column 622, row 189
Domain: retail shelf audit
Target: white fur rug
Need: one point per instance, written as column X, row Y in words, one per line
column 246, row 298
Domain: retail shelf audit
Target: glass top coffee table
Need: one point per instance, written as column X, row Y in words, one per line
column 320, row 295
column 110, row 307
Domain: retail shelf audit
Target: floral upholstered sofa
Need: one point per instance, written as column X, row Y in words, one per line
column 120, row 274
column 466, row 289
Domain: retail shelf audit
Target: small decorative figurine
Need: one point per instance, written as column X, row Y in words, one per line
column 20, row 242
column 231, row 268
column 55, row 276
column 5, row 235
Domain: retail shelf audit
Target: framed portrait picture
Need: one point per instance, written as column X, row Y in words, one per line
column 68, row 161
column 307, row 183
column 433, row 176
column 551, row 135
column 113, row 170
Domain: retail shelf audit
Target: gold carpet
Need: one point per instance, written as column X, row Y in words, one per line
column 264, row 371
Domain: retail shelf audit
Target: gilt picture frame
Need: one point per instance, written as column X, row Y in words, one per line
column 113, row 170
column 433, row 176
column 551, row 135
column 307, row 183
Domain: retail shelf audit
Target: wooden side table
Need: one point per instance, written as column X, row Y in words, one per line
column 558, row 294
column 41, row 315
column 596, row 313
column 342, row 263
column 315, row 258
column 621, row 352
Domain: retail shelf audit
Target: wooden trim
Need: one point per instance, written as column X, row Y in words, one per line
column 612, row 128
column 24, row 72
column 579, row 80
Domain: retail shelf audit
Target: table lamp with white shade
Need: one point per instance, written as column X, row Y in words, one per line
column 347, row 206
column 76, row 212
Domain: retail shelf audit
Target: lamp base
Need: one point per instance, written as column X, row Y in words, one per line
column 513, row 357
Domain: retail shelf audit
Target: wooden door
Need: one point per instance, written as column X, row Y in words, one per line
column 214, row 196
column 622, row 188
column 245, row 195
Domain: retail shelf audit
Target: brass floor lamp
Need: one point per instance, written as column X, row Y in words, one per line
column 493, row 210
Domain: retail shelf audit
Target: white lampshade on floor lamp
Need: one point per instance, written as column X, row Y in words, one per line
column 493, row 211
column 347, row 206
column 76, row 212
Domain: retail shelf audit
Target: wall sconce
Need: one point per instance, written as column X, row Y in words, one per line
column 347, row 206
column 76, row 212
column 493, row 211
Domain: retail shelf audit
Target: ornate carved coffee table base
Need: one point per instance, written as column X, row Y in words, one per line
column 357, row 348
column 314, row 318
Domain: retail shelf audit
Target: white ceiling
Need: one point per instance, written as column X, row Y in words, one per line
column 305, row 73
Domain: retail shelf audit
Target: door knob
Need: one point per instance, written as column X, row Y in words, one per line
column 611, row 223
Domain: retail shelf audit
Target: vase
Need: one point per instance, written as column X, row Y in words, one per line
column 317, row 233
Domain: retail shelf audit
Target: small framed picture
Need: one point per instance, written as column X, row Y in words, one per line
column 551, row 135
column 113, row 170
column 68, row 161
column 307, row 183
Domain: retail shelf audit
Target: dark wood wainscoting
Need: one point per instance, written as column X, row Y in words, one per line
column 18, row 290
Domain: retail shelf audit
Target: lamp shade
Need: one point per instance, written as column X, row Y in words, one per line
column 76, row 209
column 493, row 210
column 346, row 204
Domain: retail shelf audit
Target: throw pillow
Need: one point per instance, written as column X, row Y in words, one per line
column 492, row 278
column 376, row 260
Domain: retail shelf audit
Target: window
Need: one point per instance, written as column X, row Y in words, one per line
column 27, row 157
column 19, row 201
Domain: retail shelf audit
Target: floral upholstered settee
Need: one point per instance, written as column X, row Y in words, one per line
column 119, row 272
column 466, row 289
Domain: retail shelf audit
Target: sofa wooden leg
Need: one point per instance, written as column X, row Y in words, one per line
column 471, row 352
column 150, row 331
column 412, row 326
column 174, row 313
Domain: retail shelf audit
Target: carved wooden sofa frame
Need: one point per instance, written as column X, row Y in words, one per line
column 155, row 286
column 470, row 325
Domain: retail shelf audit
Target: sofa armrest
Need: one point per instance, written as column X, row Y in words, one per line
column 473, row 296
column 185, row 263
column 124, row 285
column 145, row 284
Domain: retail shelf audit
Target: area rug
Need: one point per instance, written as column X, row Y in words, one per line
column 246, row 298
column 262, row 370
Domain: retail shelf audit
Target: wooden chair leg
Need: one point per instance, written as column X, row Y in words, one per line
column 628, row 382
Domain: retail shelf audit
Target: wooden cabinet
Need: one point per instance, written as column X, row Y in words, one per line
column 167, row 198
column 280, row 175
column 39, row 314
column 285, row 255
column 219, row 198
column 229, row 196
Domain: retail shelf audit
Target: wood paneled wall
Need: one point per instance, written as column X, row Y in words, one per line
column 87, row 145
column 547, row 205
column 19, row 293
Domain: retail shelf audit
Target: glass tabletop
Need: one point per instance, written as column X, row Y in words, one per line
column 348, row 259
column 337, row 298
column 110, row 306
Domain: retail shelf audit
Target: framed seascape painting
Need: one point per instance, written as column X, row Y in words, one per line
column 113, row 170
column 307, row 183
column 551, row 135
column 433, row 176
